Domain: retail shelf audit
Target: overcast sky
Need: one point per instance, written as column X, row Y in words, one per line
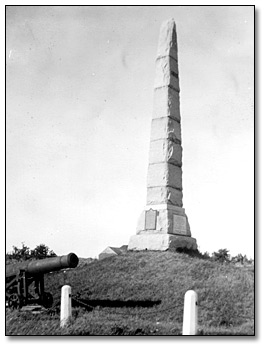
column 79, row 104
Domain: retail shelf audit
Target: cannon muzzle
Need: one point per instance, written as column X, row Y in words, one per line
column 44, row 266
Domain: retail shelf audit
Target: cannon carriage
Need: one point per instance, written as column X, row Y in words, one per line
column 25, row 281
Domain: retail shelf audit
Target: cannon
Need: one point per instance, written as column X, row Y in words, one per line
column 19, row 278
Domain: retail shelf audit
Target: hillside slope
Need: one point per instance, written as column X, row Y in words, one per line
column 142, row 293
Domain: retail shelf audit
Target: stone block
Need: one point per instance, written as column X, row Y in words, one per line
column 164, row 174
column 157, row 175
column 174, row 176
column 165, row 127
column 164, row 150
column 141, row 223
column 161, row 242
column 158, row 151
column 166, row 73
column 174, row 153
column 166, row 103
column 159, row 195
column 179, row 210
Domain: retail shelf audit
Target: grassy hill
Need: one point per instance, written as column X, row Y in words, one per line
column 142, row 293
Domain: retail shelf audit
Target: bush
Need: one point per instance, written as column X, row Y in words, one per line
column 241, row 259
column 222, row 255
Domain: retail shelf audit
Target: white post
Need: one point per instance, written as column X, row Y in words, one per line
column 190, row 318
column 65, row 313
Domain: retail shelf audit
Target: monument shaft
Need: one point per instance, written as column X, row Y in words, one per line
column 164, row 184
column 163, row 224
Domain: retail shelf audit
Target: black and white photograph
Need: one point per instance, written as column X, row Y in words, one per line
column 130, row 187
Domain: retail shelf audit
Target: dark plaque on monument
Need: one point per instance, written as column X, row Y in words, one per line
column 150, row 219
column 179, row 224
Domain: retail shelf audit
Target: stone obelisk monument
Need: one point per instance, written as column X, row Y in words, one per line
column 163, row 224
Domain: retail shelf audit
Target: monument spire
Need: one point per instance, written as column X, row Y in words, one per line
column 165, row 157
column 163, row 224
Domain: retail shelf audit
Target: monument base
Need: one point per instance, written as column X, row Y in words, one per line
column 163, row 219
column 161, row 242
column 162, row 227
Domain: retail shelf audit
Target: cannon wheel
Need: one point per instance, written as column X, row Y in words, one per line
column 14, row 301
column 47, row 300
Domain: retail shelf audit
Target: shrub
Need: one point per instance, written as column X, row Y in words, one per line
column 222, row 255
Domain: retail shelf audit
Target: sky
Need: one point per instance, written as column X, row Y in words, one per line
column 79, row 99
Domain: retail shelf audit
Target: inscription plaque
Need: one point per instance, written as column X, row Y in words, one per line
column 150, row 219
column 179, row 225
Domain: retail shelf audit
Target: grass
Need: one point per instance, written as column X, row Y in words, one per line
column 142, row 293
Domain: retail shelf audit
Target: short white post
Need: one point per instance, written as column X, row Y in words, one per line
column 65, row 313
column 190, row 318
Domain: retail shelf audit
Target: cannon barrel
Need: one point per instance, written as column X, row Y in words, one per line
column 45, row 265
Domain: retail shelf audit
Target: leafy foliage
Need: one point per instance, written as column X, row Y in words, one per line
column 42, row 251
column 222, row 255
column 242, row 259
column 24, row 253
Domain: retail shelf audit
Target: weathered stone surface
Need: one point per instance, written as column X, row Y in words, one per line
column 158, row 151
column 164, row 127
column 164, row 174
column 174, row 176
column 164, row 150
column 166, row 222
column 161, row 223
column 174, row 153
column 161, row 242
column 141, row 223
column 166, row 73
column 166, row 103
column 174, row 197
column 157, row 175
column 167, row 44
column 160, row 195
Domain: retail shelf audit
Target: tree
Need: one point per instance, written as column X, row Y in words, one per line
column 221, row 255
column 42, row 251
column 24, row 253
column 19, row 254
